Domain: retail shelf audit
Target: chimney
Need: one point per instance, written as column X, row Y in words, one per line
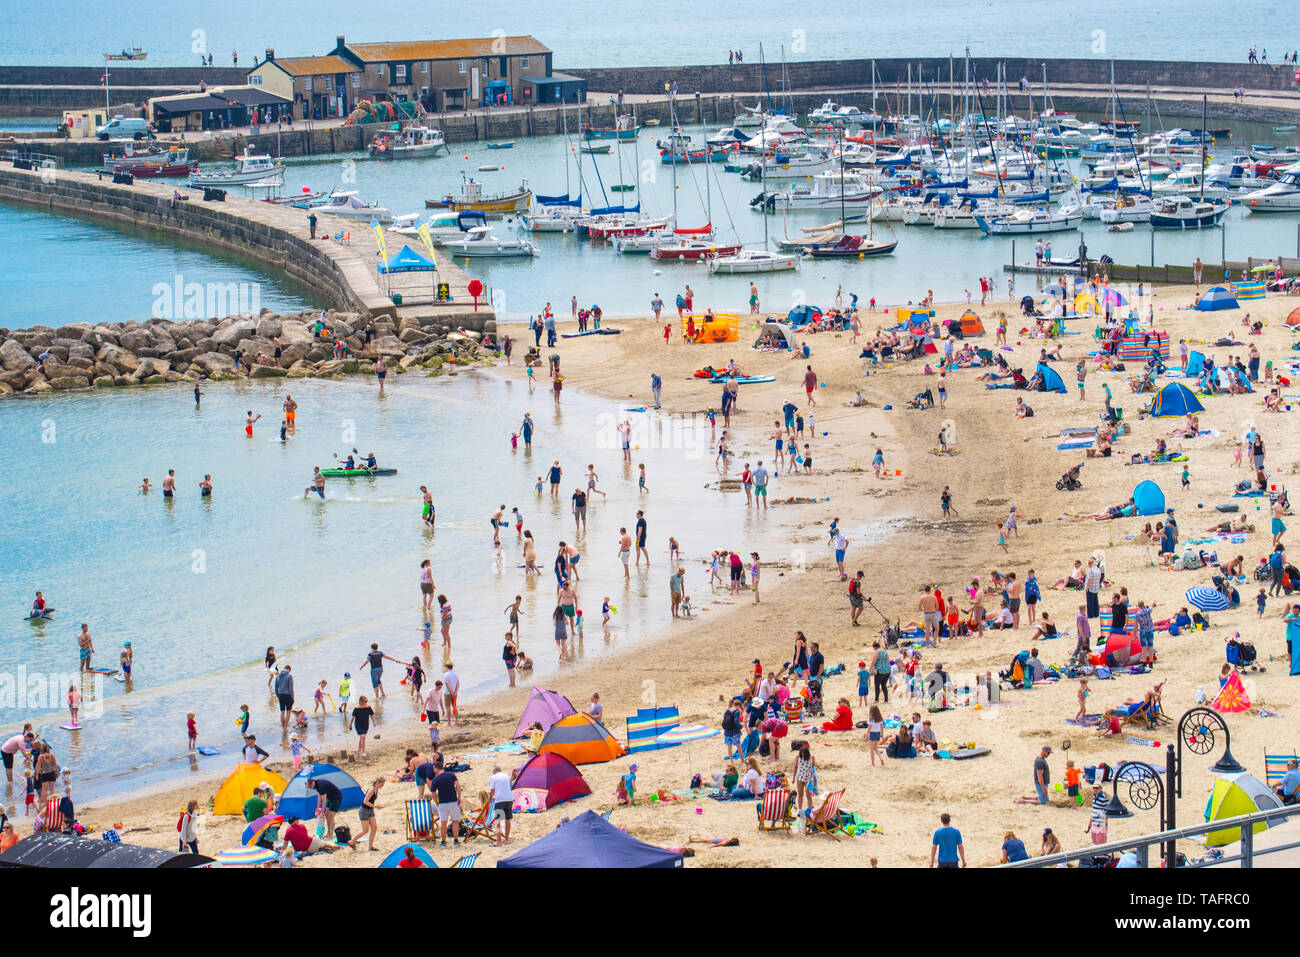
column 270, row 54
column 340, row 42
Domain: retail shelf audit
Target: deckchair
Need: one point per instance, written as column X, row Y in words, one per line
column 608, row 814
column 775, row 812
column 1142, row 713
column 825, row 820
column 481, row 825
column 467, row 861
column 419, row 820
column 1275, row 767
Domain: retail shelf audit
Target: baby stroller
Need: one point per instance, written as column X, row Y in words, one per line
column 1070, row 480
column 814, row 706
column 1241, row 654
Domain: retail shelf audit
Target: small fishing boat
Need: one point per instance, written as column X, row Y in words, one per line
column 625, row 128
column 596, row 148
column 693, row 155
column 622, row 188
column 501, row 146
column 1120, row 228
column 1284, row 129
column 172, row 162
column 472, row 197
column 409, row 142
column 754, row 261
column 490, row 168
column 479, row 242
column 344, row 203
column 249, row 168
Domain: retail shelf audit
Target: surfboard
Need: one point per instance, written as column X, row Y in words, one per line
column 962, row 753
column 101, row 671
column 744, row 380
column 70, row 727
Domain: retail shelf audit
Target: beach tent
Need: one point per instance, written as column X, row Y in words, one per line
column 421, row 855
column 1195, row 363
column 802, row 315
column 1138, row 348
column 721, row 327
column 1293, row 645
column 1216, row 298
column 1247, row 291
column 300, row 801
column 966, row 325
column 1229, row 374
column 1293, row 318
column 239, row 787
column 589, row 841
column 1122, row 648
column 644, row 728
column 1234, row 795
column 779, row 333
column 1175, row 399
column 582, row 739
column 914, row 317
column 1149, row 499
column 64, row 851
column 1232, row 697
column 545, row 706
column 553, row 778
column 1051, row 379
column 1085, row 303
column 408, row 260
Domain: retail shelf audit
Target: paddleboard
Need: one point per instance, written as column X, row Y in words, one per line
column 120, row 677
column 1225, row 508
column 207, row 749
column 744, row 380
column 101, row 671
column 962, row 753
column 48, row 616
column 70, row 727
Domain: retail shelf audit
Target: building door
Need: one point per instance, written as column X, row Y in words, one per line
column 473, row 85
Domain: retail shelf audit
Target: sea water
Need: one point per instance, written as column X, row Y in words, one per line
column 201, row 587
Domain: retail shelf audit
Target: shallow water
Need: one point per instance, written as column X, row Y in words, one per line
column 201, row 588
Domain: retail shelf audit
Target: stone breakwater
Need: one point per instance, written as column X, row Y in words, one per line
column 83, row 356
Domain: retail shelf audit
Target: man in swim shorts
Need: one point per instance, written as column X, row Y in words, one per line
column 931, row 616
column 248, row 422
column 205, row 487
column 317, row 484
column 759, row 476
column 624, row 549
column 497, row 517
column 426, row 511
column 640, row 539
column 169, row 484
column 85, row 646
column 290, row 411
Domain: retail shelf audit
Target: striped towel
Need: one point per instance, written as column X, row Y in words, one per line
column 1080, row 444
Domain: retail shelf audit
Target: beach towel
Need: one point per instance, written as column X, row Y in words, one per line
column 1088, row 720
column 1080, row 444
column 999, row 385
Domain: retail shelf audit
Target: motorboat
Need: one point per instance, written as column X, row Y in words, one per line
column 478, row 241
column 1031, row 221
column 1127, row 209
column 728, row 136
column 851, row 247
column 641, row 244
column 1184, row 212
column 1282, row 196
column 249, row 168
column 692, row 250
column 552, row 219
column 472, row 197
column 344, row 203
column 790, row 166
column 440, row 227
column 166, row 163
column 753, row 261
column 829, row 190
column 409, row 142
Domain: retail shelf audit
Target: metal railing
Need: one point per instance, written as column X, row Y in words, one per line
column 37, row 160
column 1245, row 822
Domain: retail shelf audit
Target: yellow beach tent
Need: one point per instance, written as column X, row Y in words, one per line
column 1236, row 794
column 240, row 785
column 1085, row 303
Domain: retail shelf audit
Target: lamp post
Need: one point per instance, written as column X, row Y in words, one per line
column 1198, row 729
column 1145, row 791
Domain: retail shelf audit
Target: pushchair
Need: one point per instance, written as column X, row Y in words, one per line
column 813, row 706
column 1241, row 654
column 1070, row 480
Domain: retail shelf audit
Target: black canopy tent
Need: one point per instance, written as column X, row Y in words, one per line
column 61, row 851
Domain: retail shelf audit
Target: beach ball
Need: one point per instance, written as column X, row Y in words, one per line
column 636, row 447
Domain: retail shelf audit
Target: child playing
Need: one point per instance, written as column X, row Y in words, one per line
column 191, row 732
column 444, row 610
column 243, row 719
column 345, row 692
column 434, row 734
column 318, row 697
column 1260, row 601
column 519, row 521
column 297, row 749
column 513, row 611
column 715, row 572
column 1002, row 537
column 577, row 625
column 685, row 607
column 640, row 482
column 426, row 634
column 875, row 732
column 1082, row 697
column 604, row 611
column 1072, row 777
column 864, row 684
column 1236, row 457
column 30, row 800
column 626, row 791
column 74, row 702
column 126, row 659
column 538, row 486
column 1187, row 479
column 1110, row 726
column 807, row 460
column 532, row 380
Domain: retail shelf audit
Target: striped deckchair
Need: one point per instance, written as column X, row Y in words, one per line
column 467, row 861
column 825, row 820
column 1275, row 767
column 419, row 820
column 775, row 812
column 54, row 818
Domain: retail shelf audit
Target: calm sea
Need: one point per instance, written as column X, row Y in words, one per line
column 597, row 33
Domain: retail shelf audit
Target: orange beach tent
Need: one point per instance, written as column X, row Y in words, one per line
column 582, row 740
column 1293, row 318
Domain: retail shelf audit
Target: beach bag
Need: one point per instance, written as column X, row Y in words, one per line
column 343, row 834
column 180, row 821
column 1098, row 834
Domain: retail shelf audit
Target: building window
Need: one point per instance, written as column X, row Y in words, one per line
column 424, row 67
column 485, row 66
column 306, row 84
column 255, row 79
column 401, row 72
column 460, row 66
column 523, row 63
column 356, row 81
column 329, row 82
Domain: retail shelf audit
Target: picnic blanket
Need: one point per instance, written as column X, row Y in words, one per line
column 1080, row 444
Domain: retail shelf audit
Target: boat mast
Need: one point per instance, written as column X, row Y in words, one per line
column 1203, row 111
column 564, row 119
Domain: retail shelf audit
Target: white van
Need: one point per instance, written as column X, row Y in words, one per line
column 123, row 127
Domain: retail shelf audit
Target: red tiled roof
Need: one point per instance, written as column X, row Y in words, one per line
column 313, row 65
column 448, row 49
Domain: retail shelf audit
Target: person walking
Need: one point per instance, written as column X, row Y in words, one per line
column 946, row 849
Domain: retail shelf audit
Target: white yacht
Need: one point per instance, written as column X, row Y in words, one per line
column 1282, row 196
column 478, row 241
column 249, row 168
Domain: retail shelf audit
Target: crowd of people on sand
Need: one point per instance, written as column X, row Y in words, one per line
column 766, row 704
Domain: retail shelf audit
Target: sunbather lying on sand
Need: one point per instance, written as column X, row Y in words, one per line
column 1114, row 511
column 1240, row 525
column 1189, row 430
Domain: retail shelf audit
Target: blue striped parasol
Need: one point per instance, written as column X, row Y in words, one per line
column 684, row 734
column 244, row 856
column 1207, row 599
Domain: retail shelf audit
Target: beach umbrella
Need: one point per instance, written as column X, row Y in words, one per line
column 253, row 833
column 245, row 856
column 1207, row 599
column 1265, row 267
column 684, row 734
column 1055, row 290
column 1114, row 297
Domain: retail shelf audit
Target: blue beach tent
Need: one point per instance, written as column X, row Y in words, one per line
column 1216, row 298
column 1195, row 363
column 1149, row 499
column 1051, row 379
column 421, row 855
column 802, row 315
column 589, row 841
column 300, row 801
column 1175, row 399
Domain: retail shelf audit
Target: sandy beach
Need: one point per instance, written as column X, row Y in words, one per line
column 899, row 537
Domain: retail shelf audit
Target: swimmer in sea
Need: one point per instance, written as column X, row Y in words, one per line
column 317, row 484
column 144, row 485
column 169, row 483
column 205, row 487
column 284, row 431
column 198, row 397
column 248, row 422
